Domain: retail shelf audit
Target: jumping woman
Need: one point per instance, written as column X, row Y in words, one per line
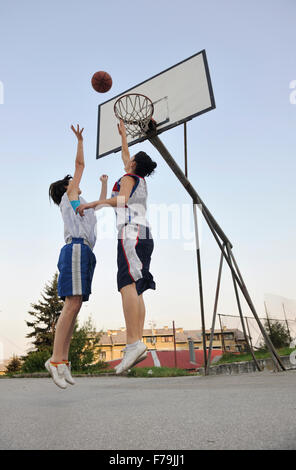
column 76, row 262
column 135, row 246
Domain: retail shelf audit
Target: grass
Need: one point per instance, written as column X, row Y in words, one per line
column 158, row 372
column 88, row 372
column 244, row 357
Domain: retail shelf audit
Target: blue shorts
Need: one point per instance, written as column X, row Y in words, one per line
column 134, row 250
column 76, row 265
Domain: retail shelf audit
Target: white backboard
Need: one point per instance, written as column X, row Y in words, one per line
column 179, row 94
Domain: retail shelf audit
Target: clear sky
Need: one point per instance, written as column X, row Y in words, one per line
column 241, row 155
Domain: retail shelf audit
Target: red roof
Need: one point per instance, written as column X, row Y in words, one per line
column 167, row 359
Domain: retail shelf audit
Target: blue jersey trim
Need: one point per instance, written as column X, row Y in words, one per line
column 75, row 204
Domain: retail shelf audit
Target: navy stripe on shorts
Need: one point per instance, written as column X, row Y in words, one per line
column 76, row 265
column 134, row 250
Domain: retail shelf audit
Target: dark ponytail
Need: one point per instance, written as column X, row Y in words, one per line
column 58, row 189
column 145, row 165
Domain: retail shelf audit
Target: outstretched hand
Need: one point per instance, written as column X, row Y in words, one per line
column 81, row 208
column 104, row 178
column 121, row 128
column 78, row 132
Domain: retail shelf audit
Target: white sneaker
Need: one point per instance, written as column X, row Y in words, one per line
column 131, row 355
column 57, row 373
column 140, row 359
column 67, row 374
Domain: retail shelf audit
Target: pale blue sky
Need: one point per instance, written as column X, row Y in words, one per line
column 241, row 155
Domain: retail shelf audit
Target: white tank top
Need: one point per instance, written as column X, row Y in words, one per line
column 135, row 209
column 76, row 226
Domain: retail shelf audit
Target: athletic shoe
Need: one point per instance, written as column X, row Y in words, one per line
column 57, row 373
column 131, row 355
column 140, row 359
column 67, row 374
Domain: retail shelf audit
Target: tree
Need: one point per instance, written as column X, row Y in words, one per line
column 277, row 333
column 85, row 340
column 46, row 314
column 84, row 346
column 14, row 365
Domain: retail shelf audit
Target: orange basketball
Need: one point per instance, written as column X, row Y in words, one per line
column 101, row 81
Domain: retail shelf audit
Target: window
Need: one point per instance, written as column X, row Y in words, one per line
column 150, row 339
column 166, row 339
column 228, row 336
column 102, row 355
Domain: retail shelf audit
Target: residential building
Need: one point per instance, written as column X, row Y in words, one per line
column 112, row 342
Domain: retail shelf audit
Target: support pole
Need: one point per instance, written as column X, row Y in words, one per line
column 241, row 317
column 238, row 277
column 200, row 287
column 185, row 149
column 222, row 335
column 175, row 349
column 214, row 316
column 276, row 358
column 250, row 337
column 157, row 143
column 216, row 231
column 287, row 324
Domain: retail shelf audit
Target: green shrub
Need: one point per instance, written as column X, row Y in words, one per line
column 34, row 361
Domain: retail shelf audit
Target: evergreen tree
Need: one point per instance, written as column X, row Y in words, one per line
column 45, row 315
column 277, row 333
column 14, row 365
column 84, row 348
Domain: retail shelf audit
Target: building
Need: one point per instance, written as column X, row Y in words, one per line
column 112, row 342
column 3, row 366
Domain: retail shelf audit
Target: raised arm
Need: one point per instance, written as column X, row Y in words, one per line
column 126, row 186
column 104, row 181
column 73, row 187
column 125, row 155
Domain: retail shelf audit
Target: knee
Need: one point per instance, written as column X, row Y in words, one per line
column 74, row 303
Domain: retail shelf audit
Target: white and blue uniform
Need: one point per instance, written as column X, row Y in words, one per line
column 135, row 243
column 77, row 260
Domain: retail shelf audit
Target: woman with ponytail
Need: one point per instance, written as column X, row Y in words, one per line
column 135, row 246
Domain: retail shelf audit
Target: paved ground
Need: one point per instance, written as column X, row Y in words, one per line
column 250, row 411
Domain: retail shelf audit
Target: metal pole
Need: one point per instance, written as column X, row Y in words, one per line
column 175, row 349
column 242, row 318
column 215, row 229
column 157, row 143
column 246, row 318
column 276, row 358
column 290, row 339
column 267, row 317
column 238, row 277
column 185, row 148
column 214, row 315
column 200, row 287
column 222, row 335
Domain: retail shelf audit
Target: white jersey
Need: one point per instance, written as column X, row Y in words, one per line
column 135, row 209
column 76, row 226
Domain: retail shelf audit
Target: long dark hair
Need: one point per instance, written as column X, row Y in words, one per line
column 58, row 189
column 145, row 165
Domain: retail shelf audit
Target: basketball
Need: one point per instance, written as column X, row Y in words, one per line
column 101, row 81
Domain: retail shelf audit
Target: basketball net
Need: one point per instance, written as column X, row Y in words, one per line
column 136, row 111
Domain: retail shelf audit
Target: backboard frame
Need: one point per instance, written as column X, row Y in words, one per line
column 169, row 125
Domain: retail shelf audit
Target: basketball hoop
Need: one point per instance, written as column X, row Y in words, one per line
column 136, row 111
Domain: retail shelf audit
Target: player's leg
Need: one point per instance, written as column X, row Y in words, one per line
column 142, row 312
column 69, row 338
column 131, row 310
column 64, row 327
